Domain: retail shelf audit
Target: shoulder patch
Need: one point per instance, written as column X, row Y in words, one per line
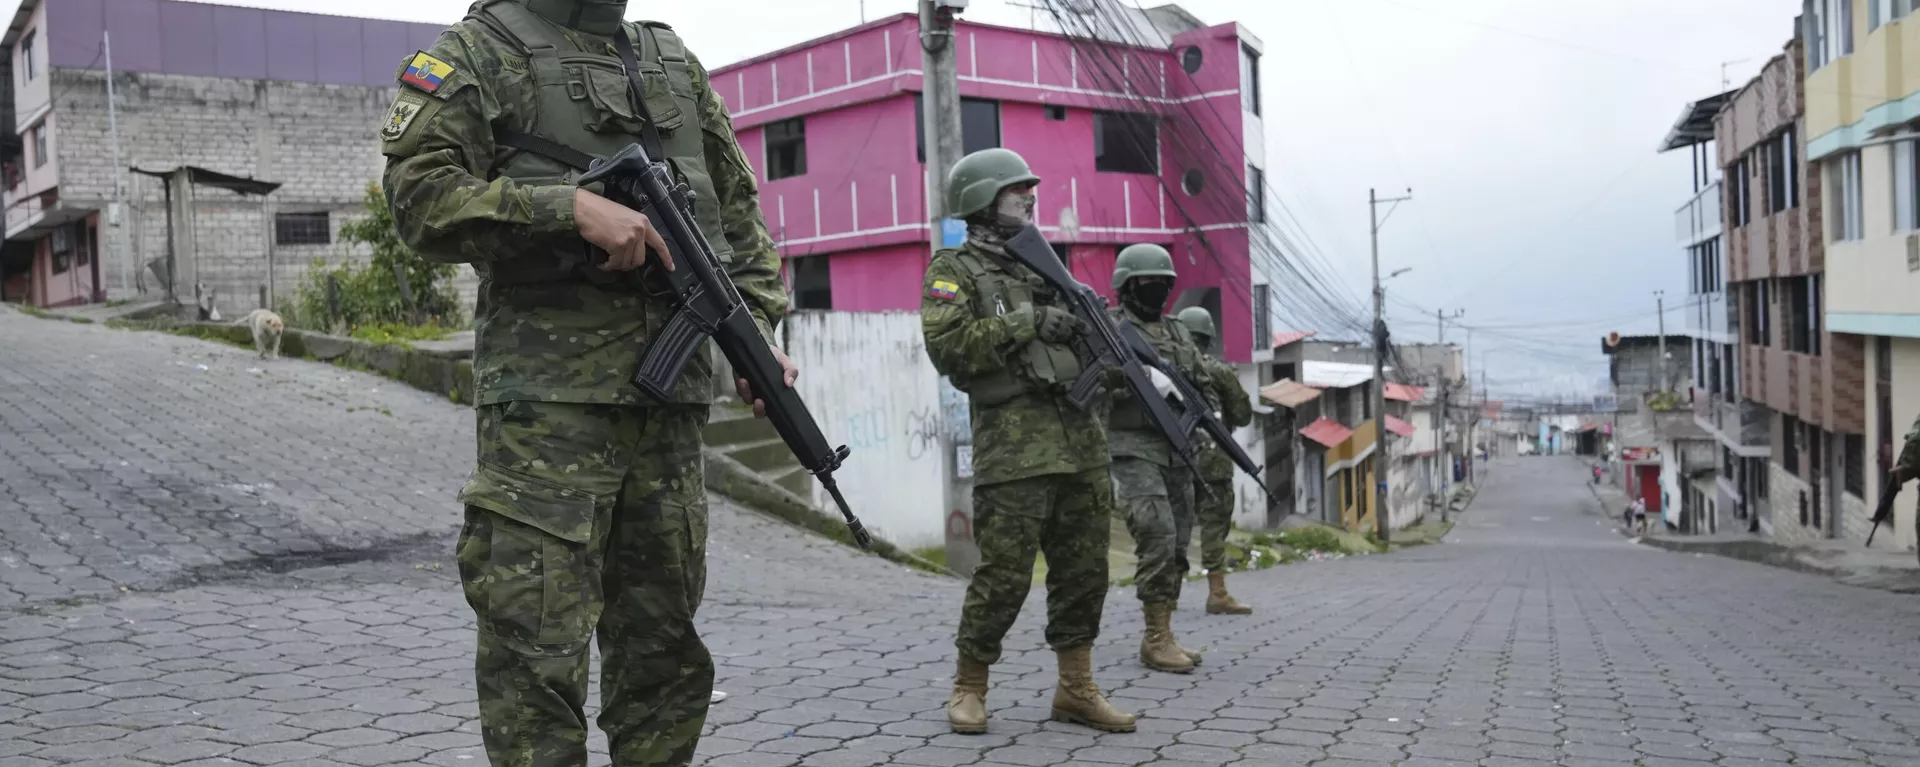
column 943, row 290
column 405, row 107
column 426, row 72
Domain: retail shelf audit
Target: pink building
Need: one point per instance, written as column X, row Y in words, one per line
column 1133, row 144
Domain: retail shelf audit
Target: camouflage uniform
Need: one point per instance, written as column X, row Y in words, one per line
column 1001, row 334
column 586, row 513
column 1155, row 489
column 1226, row 396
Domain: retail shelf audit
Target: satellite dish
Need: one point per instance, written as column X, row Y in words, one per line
column 1613, row 339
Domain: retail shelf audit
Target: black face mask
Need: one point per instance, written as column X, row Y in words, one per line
column 1147, row 298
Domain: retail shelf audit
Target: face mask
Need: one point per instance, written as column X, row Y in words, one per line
column 1148, row 298
column 1015, row 210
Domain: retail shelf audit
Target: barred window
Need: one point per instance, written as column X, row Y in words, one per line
column 311, row 228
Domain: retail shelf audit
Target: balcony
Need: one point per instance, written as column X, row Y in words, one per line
column 1740, row 425
column 1699, row 219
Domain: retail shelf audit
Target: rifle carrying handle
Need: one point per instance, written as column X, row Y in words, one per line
column 668, row 354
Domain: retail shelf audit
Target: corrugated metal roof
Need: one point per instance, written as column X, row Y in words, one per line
column 1283, row 338
column 1326, row 431
column 1399, row 427
column 1334, row 375
column 1403, row 392
column 1287, row 392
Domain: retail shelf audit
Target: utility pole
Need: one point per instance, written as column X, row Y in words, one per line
column 939, row 106
column 1660, row 301
column 1440, row 415
column 1381, row 528
column 114, row 216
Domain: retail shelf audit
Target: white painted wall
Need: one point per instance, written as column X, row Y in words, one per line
column 1250, row 501
column 866, row 377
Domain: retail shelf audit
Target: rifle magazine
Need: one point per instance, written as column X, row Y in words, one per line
column 669, row 352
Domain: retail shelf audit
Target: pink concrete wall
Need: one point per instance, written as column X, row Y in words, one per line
column 862, row 198
column 74, row 286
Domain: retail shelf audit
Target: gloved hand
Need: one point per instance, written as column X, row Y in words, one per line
column 1058, row 326
column 1162, row 383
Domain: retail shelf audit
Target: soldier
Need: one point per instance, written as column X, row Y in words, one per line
column 1002, row 335
column 1157, row 490
column 1907, row 467
column 586, row 514
column 1213, row 491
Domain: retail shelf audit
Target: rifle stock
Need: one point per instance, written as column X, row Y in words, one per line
column 706, row 305
column 1105, row 349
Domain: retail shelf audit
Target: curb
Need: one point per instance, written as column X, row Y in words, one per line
column 733, row 479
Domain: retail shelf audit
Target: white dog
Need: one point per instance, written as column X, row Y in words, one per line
column 267, row 328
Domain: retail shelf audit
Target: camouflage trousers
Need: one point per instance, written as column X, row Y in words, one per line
column 1157, row 504
column 1063, row 516
column 1214, row 516
column 587, row 522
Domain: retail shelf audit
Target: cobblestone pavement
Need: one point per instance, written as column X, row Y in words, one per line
column 134, row 458
column 1531, row 635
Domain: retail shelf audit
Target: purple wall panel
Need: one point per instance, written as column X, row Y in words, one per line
column 290, row 37
column 187, row 39
column 242, row 42
column 385, row 44
column 337, row 43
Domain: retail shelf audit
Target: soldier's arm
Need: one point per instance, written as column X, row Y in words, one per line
column 1908, row 465
column 755, row 270
column 439, row 146
column 957, row 341
column 1236, row 409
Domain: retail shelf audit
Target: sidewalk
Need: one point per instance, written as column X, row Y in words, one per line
column 1895, row 571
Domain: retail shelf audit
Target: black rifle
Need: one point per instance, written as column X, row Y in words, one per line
column 1193, row 405
column 1104, row 347
column 1884, row 510
column 707, row 305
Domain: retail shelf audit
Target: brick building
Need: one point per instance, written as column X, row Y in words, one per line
column 292, row 101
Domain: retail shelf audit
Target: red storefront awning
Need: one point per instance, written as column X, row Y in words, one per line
column 1326, row 431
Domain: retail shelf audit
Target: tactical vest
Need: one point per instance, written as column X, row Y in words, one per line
column 583, row 110
column 1128, row 415
column 1037, row 367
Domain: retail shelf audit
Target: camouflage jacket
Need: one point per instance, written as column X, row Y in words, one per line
column 1133, row 432
column 459, row 196
column 1226, row 396
column 978, row 316
column 1908, row 465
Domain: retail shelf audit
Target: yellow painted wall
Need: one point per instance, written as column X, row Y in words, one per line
column 1869, row 274
column 1884, row 67
column 1356, row 508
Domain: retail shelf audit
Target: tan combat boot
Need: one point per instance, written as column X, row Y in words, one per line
column 1157, row 648
column 1219, row 601
column 967, row 707
column 1174, row 607
column 1076, row 699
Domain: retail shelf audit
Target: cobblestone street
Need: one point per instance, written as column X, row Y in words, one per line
column 283, row 537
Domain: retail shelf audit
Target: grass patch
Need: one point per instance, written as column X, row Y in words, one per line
column 39, row 313
column 934, row 554
column 400, row 335
column 1305, row 539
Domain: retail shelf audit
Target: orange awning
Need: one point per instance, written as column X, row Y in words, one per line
column 1399, row 427
column 1326, row 431
column 1287, row 392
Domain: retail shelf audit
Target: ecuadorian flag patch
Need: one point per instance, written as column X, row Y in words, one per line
column 426, row 72
column 943, row 290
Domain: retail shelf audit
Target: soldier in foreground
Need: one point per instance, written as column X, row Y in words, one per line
column 1041, row 482
column 586, row 514
column 1157, row 490
column 1905, row 468
column 1213, row 491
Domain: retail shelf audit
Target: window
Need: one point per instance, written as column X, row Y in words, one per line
column 40, row 144
column 1782, row 183
column 1856, row 457
column 812, row 282
column 1906, row 182
column 786, row 149
column 26, row 55
column 1704, row 271
column 1765, row 290
column 1843, row 174
column 301, row 229
column 1829, row 32
column 1256, row 195
column 979, row 126
column 1762, row 476
column 1262, row 326
column 1885, row 11
column 1803, row 314
column 60, row 244
column 1790, row 443
column 1249, row 79
column 1056, row 113
column 1739, row 204
column 1126, row 142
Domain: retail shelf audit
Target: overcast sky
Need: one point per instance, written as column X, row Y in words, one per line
column 1527, row 130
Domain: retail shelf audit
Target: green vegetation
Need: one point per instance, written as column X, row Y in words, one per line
column 389, row 334
column 371, row 296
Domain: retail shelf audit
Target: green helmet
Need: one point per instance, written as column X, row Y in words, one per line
column 1198, row 322
column 978, row 178
column 1141, row 261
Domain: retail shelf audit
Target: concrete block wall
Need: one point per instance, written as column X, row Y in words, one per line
column 318, row 141
column 1783, row 490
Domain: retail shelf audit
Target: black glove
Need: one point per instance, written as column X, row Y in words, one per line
column 1058, row 326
